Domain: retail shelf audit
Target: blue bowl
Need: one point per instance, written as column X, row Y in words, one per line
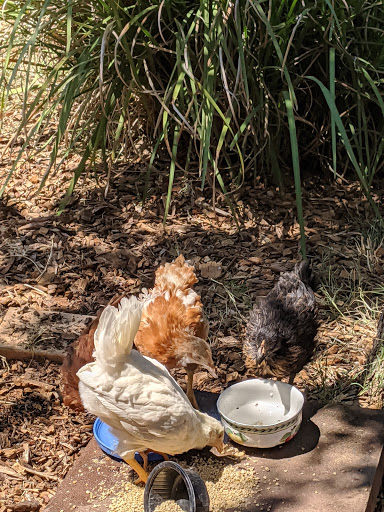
column 108, row 442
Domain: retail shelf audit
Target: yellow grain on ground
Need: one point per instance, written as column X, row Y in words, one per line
column 123, row 496
column 229, row 484
column 129, row 497
column 168, row 506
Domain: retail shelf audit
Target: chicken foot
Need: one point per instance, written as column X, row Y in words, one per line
column 190, row 393
column 143, row 474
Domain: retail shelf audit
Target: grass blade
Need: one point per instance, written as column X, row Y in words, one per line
column 332, row 81
column 346, row 142
column 172, row 169
column 296, row 171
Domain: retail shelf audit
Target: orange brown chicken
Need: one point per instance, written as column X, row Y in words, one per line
column 172, row 330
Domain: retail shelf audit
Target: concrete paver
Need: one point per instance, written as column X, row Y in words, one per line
column 335, row 463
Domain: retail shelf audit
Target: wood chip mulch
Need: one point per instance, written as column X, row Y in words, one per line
column 56, row 273
column 39, row 437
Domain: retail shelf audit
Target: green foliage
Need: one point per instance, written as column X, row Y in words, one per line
column 248, row 87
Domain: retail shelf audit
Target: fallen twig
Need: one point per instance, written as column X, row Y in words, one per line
column 47, row 476
column 10, row 352
column 47, row 263
column 5, row 470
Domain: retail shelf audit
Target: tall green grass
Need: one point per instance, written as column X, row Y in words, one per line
column 247, row 88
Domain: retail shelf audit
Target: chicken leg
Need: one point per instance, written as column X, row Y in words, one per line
column 143, row 475
column 164, row 455
column 144, row 456
column 190, row 393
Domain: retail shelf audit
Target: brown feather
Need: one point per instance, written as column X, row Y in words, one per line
column 177, row 275
column 170, row 328
column 78, row 354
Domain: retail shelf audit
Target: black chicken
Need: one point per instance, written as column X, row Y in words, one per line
column 281, row 330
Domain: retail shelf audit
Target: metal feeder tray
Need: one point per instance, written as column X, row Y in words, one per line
column 169, row 481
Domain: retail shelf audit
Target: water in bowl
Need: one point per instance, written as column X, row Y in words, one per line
column 259, row 412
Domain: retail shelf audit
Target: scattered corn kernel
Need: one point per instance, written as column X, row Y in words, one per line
column 229, row 485
column 168, row 506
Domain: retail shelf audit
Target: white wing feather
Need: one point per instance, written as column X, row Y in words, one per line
column 144, row 404
column 116, row 331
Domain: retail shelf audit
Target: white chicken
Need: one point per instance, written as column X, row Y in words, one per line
column 137, row 397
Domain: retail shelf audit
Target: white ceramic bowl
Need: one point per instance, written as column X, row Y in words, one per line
column 260, row 412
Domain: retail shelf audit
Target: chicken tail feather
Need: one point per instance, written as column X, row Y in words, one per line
column 304, row 271
column 116, row 331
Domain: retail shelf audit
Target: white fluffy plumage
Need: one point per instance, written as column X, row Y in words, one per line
column 116, row 331
column 136, row 396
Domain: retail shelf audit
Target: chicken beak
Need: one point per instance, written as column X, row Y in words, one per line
column 217, row 449
column 261, row 353
column 210, row 370
column 220, row 446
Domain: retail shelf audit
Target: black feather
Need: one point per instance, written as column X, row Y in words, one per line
column 286, row 321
